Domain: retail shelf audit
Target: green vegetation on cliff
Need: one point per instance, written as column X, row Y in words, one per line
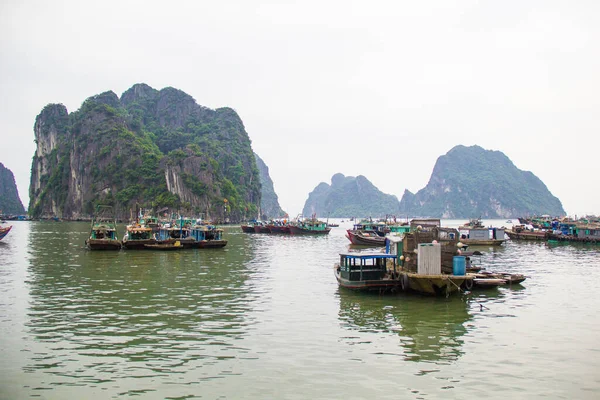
column 149, row 148
column 10, row 203
column 269, row 205
column 473, row 182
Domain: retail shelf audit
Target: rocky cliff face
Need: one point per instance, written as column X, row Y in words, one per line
column 472, row 182
column 269, row 204
column 10, row 203
column 349, row 196
column 149, row 148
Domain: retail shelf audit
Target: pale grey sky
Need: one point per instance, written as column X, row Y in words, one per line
column 373, row 88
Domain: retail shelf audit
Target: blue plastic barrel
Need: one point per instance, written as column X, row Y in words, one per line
column 459, row 265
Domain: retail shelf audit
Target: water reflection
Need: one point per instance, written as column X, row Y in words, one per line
column 429, row 329
column 97, row 317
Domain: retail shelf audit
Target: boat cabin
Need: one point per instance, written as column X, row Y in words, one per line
column 482, row 233
column 586, row 233
column 206, row 232
column 103, row 232
column 366, row 266
column 425, row 224
column 138, row 233
column 173, row 233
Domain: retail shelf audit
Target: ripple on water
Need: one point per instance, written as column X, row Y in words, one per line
column 266, row 314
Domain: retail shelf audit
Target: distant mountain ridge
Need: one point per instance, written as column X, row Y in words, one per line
column 466, row 182
column 474, row 182
column 10, row 203
column 349, row 196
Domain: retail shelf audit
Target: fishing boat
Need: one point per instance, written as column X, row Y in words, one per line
column 4, row 231
column 172, row 232
column 367, row 271
column 520, row 232
column 261, row 227
column 278, row 227
column 249, row 227
column 365, row 238
column 137, row 237
column 488, row 282
column 369, row 233
column 473, row 223
column 103, row 231
column 509, row 279
column 207, row 237
column 573, row 232
column 310, row 226
column 482, row 236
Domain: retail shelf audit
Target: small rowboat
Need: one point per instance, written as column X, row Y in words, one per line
column 488, row 282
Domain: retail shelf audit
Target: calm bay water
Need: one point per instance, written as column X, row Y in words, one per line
column 264, row 318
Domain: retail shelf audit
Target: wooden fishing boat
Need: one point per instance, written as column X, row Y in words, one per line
column 276, row 228
column 137, row 237
column 103, row 231
column 365, row 238
column 491, row 279
column 519, row 232
column 207, row 237
column 4, row 231
column 488, row 282
column 261, row 227
column 171, row 233
column 309, row 227
column 249, row 227
column 576, row 233
column 367, row 271
column 482, row 236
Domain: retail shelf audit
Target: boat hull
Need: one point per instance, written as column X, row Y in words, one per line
column 572, row 239
column 380, row 285
column 437, row 285
column 535, row 236
column 294, row 230
column 103, row 244
column 163, row 246
column 477, row 242
column 359, row 239
column 4, row 231
column 212, row 244
column 247, row 228
column 278, row 229
column 137, row 244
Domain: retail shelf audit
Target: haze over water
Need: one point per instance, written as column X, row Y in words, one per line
column 264, row 318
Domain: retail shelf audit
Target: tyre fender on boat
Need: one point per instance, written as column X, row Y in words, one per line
column 404, row 282
column 468, row 284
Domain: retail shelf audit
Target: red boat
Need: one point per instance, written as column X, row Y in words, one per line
column 4, row 231
column 365, row 238
column 278, row 228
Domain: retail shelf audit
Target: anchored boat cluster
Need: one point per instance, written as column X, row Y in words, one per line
column 421, row 257
column 150, row 233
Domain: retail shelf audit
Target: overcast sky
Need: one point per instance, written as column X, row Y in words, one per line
column 373, row 88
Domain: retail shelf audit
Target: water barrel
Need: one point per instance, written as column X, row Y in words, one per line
column 459, row 265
